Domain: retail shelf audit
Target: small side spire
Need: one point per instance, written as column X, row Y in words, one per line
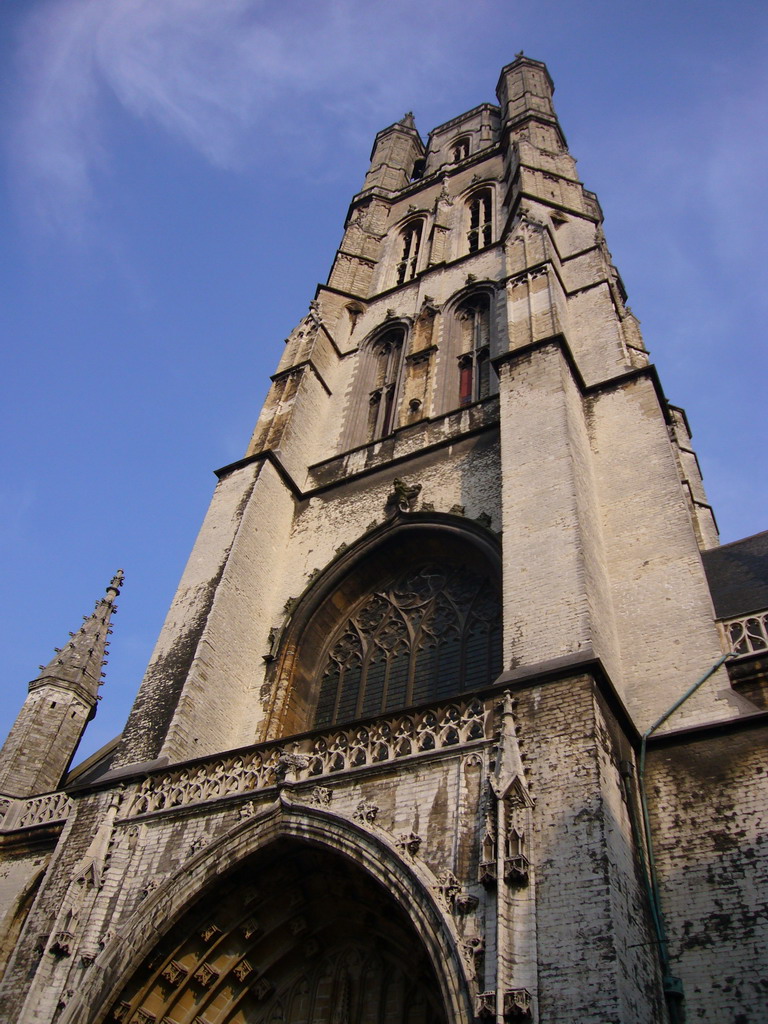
column 61, row 701
column 80, row 663
column 509, row 773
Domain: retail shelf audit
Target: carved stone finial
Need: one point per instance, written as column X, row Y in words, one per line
column 403, row 498
column 116, row 582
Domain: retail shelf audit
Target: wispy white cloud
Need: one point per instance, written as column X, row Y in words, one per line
column 223, row 76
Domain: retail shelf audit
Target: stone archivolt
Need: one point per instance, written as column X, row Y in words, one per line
column 365, row 953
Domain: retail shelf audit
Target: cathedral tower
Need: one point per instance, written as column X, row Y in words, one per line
column 385, row 763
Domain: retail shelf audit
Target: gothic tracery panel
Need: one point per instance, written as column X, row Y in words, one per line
column 431, row 632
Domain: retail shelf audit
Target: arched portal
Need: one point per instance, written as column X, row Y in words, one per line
column 298, row 934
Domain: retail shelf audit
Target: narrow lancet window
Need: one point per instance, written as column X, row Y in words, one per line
column 474, row 359
column 480, row 208
column 388, row 357
column 411, row 240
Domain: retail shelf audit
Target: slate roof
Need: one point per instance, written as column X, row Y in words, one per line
column 738, row 576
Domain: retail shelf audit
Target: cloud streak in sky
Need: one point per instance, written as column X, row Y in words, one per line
column 223, row 77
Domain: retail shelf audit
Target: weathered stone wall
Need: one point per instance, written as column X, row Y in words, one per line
column 707, row 795
column 664, row 615
column 596, row 961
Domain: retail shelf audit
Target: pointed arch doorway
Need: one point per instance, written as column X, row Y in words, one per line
column 297, row 935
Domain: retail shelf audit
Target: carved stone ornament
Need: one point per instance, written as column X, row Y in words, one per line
column 409, row 843
column 448, row 887
column 262, row 988
column 288, row 765
column 517, row 1004
column 247, row 810
column 242, row 970
column 120, row 1012
column 250, row 927
column 320, row 796
column 403, row 497
column 366, row 812
column 486, row 1006
column 205, row 975
column 465, row 903
column 209, row 932
column 62, row 944
column 174, row 973
column 148, row 888
column 473, row 949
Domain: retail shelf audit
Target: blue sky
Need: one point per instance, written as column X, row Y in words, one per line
column 175, row 178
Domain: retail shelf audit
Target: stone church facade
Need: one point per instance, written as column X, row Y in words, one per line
column 459, row 712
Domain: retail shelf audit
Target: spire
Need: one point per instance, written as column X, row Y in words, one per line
column 61, row 702
column 509, row 773
column 78, row 665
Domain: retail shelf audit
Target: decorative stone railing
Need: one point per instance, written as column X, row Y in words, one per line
column 17, row 813
column 748, row 634
column 395, row 738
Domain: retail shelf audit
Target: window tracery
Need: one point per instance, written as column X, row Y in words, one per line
column 480, row 207
column 432, row 632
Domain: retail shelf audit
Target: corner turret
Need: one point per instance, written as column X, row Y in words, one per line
column 395, row 155
column 61, row 701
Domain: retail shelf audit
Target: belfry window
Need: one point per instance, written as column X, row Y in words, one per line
column 475, row 381
column 387, row 353
column 430, row 633
column 480, row 207
column 411, row 243
column 460, row 149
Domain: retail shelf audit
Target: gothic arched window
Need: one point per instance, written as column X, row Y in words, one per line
column 474, row 325
column 429, row 633
column 409, row 253
column 387, row 353
column 480, row 211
